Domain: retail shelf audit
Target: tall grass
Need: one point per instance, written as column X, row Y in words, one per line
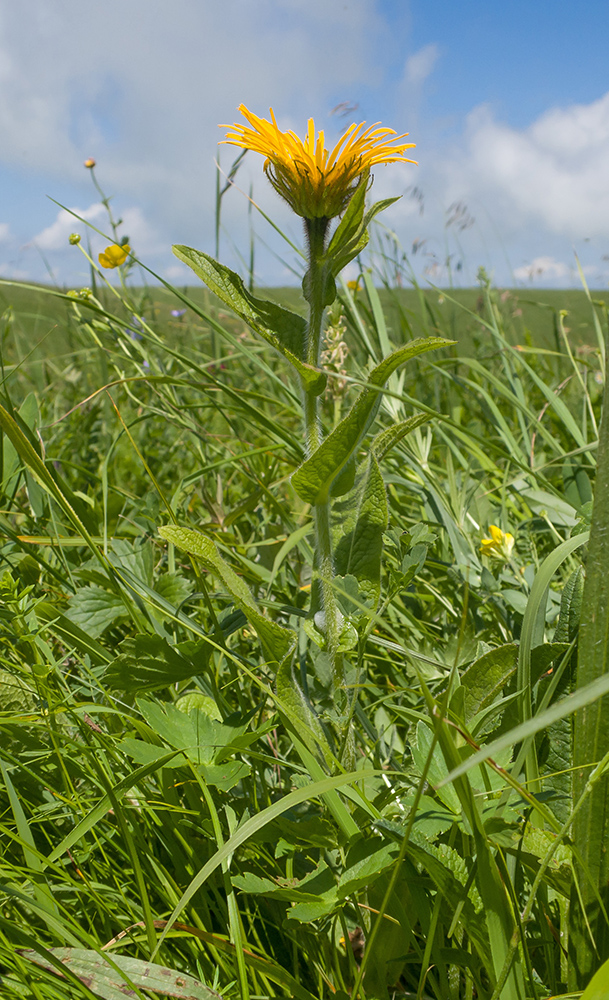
column 164, row 802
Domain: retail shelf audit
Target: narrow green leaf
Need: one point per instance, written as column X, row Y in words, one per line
column 487, row 676
column 591, row 741
column 533, row 627
column 114, row 976
column 278, row 642
column 351, row 236
column 284, row 330
column 313, row 480
column 385, row 440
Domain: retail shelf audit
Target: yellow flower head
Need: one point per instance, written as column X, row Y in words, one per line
column 114, row 256
column 499, row 545
column 316, row 183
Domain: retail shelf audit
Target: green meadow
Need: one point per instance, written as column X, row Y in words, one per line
column 202, row 791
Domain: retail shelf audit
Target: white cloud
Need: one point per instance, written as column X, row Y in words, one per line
column 552, row 174
column 542, row 267
column 55, row 236
column 142, row 236
column 420, row 65
column 5, row 232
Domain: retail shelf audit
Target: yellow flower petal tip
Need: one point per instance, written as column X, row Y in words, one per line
column 499, row 545
column 317, row 183
column 115, row 255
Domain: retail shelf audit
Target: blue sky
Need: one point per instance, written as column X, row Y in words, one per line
column 508, row 104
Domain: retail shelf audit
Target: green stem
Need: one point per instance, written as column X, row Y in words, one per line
column 315, row 292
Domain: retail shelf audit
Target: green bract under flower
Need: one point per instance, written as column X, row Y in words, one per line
column 316, row 183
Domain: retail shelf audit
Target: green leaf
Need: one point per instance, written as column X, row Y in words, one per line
column 570, row 607
column 363, row 522
column 253, row 826
column 365, row 862
column 313, row 480
column 278, row 642
column 598, row 987
column 387, row 439
column 16, row 696
column 591, row 740
column 94, row 610
column 284, row 330
column 113, row 977
column 351, row 235
column 70, row 633
column 204, row 740
column 486, row 677
column 299, row 713
column 147, row 662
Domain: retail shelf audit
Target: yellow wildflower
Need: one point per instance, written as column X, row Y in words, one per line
column 115, row 255
column 316, row 183
column 499, row 545
column 89, row 163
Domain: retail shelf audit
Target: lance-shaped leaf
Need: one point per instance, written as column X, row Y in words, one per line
column 284, row 330
column 278, row 642
column 313, row 480
column 385, row 440
column 360, row 546
column 114, row 976
column 351, row 235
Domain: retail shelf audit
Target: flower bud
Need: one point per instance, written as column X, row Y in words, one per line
column 90, row 163
column 74, row 238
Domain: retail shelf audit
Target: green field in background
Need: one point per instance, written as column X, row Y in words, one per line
column 41, row 322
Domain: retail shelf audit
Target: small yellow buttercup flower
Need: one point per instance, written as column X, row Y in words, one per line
column 89, row 163
column 499, row 545
column 114, row 255
column 316, row 183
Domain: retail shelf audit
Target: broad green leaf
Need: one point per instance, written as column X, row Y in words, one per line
column 278, row 642
column 148, row 753
column 204, row 740
column 363, row 522
column 113, row 977
column 437, row 771
column 598, row 987
column 313, row 480
column 486, row 677
column 284, row 330
column 315, row 894
column 16, row 696
column 94, row 610
column 146, row 662
column 71, row 633
column 449, row 873
column 365, row 862
column 300, row 714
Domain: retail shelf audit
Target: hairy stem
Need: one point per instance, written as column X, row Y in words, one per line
column 315, row 293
